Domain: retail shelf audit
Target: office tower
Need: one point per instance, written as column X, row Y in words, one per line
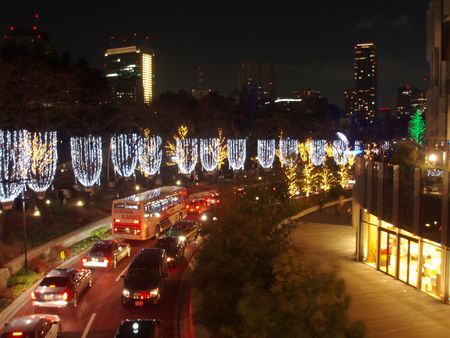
column 409, row 99
column 438, row 56
column 200, row 91
column 129, row 71
column 349, row 108
column 365, row 104
column 259, row 78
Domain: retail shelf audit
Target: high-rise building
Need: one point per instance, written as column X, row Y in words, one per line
column 349, row 109
column 258, row 77
column 438, row 56
column 129, row 71
column 365, row 104
column 200, row 91
column 308, row 93
column 409, row 99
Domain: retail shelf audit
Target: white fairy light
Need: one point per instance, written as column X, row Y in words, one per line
column 150, row 154
column 266, row 153
column 44, row 160
column 209, row 153
column 237, row 152
column 318, row 153
column 124, row 153
column 288, row 151
column 340, row 148
column 14, row 163
column 186, row 155
column 86, row 153
column 359, row 147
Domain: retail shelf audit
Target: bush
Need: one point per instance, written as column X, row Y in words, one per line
column 38, row 265
column 23, row 279
column 101, row 233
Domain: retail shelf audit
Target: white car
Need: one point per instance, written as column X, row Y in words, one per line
column 32, row 326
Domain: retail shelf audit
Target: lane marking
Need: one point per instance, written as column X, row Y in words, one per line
column 88, row 326
column 122, row 272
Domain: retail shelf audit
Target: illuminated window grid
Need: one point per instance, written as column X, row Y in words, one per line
column 147, row 77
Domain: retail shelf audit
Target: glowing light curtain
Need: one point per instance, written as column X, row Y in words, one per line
column 150, row 154
column 237, row 152
column 44, row 160
column 266, row 153
column 340, row 148
column 124, row 153
column 187, row 155
column 86, row 153
column 209, row 153
column 288, row 151
column 14, row 163
column 318, row 153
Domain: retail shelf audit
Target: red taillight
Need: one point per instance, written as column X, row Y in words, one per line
column 116, row 220
column 115, row 229
column 33, row 295
column 197, row 207
column 136, row 221
column 84, row 260
column 187, row 206
column 65, row 295
column 17, row 334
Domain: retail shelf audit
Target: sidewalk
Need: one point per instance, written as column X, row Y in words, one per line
column 388, row 307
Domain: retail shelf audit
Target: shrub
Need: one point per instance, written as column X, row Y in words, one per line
column 38, row 265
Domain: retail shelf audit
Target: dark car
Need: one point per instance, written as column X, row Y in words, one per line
column 62, row 287
column 146, row 277
column 185, row 230
column 32, row 326
column 106, row 253
column 196, row 206
column 174, row 248
column 139, row 328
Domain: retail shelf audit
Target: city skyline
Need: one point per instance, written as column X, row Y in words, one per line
column 310, row 47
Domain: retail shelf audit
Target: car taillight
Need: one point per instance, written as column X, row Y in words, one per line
column 187, row 206
column 116, row 220
column 17, row 334
column 33, row 295
column 84, row 260
column 136, row 221
column 197, row 207
column 115, row 229
column 65, row 295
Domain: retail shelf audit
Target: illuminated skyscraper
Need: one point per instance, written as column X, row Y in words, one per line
column 365, row 104
column 129, row 71
column 409, row 99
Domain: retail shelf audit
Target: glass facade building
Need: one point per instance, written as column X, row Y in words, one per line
column 402, row 224
column 129, row 71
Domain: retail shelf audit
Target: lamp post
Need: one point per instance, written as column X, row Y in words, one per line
column 25, row 235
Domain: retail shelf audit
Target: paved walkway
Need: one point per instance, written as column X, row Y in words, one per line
column 388, row 308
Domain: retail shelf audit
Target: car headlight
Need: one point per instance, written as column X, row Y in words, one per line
column 182, row 238
column 154, row 292
column 169, row 259
column 126, row 293
column 204, row 218
column 214, row 218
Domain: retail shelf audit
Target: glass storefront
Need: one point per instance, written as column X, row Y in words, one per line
column 370, row 240
column 408, row 261
column 431, row 270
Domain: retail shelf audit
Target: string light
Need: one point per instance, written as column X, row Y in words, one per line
column 288, row 151
column 150, row 154
column 318, row 152
column 309, row 178
column 290, row 176
column 186, row 155
column 86, row 153
column 209, row 153
column 237, row 153
column 339, row 152
column 44, row 160
column 14, row 163
column 343, row 176
column 171, row 147
column 124, row 153
column 326, row 179
column 223, row 149
column 266, row 153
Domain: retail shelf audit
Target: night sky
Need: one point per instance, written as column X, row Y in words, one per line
column 309, row 42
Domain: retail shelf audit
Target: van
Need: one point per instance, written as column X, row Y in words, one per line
column 146, row 278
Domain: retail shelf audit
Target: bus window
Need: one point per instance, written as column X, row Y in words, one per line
column 126, row 206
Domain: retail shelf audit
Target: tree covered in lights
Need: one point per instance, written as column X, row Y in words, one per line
column 343, row 176
column 416, row 128
column 326, row 179
column 223, row 152
column 291, row 179
column 171, row 147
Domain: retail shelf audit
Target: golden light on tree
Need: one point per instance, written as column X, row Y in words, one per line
column 223, row 149
column 304, row 149
column 171, row 147
column 309, row 178
column 290, row 176
column 329, row 149
column 326, row 179
column 343, row 176
column 351, row 158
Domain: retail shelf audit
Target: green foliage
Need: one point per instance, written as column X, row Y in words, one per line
column 101, row 233
column 416, row 128
column 253, row 283
column 22, row 281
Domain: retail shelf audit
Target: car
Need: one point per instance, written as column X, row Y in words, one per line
column 185, row 230
column 213, row 199
column 196, row 206
column 139, row 328
column 32, row 326
column 174, row 248
column 62, row 287
column 106, row 254
column 146, row 278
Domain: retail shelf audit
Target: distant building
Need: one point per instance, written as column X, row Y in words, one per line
column 28, row 40
column 200, row 91
column 365, row 102
column 259, row 78
column 129, row 71
column 409, row 99
column 305, row 94
column 438, row 54
column 350, row 97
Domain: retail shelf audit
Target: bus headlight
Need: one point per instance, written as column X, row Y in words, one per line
column 182, row 238
column 204, row 218
column 126, row 293
column 154, row 292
